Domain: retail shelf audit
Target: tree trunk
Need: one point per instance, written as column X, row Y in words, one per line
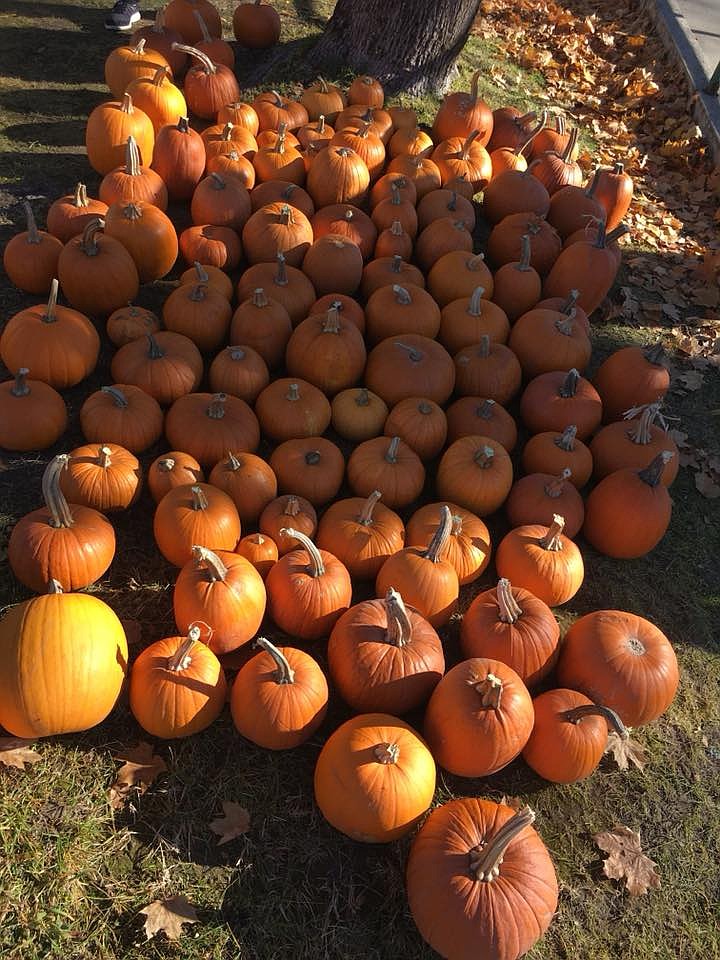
column 409, row 45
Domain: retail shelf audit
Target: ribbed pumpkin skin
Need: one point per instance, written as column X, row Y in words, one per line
column 468, row 552
column 288, row 511
column 623, row 661
column 466, row 919
column 178, row 526
column 468, row 739
column 108, row 127
column 172, row 470
column 613, row 448
column 189, row 426
column 172, row 704
column 529, row 645
column 553, row 576
column 88, row 482
column 560, row 750
column 363, row 548
column 628, row 379
column 542, row 408
column 374, row 675
column 233, row 608
column 65, row 657
column 400, row 480
column 303, row 605
column 279, row 716
column 537, row 497
column 431, row 587
column 135, row 426
column 371, row 801
column 394, row 375
column 463, row 479
column 542, row 454
column 625, row 517
column 31, row 421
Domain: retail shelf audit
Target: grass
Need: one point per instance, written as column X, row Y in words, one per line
column 73, row 875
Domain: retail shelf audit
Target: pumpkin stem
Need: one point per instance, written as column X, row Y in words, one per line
column 103, row 458
column 321, row 124
column 217, row 182
column 655, row 355
column 476, row 261
column 592, row 186
column 387, row 753
column 80, row 198
column 284, row 672
column 484, row 345
column 457, row 527
column 312, row 458
column 366, row 516
column 20, row 387
column 521, row 121
column 32, row 231
column 279, row 146
column 166, row 465
column 54, row 586
column 570, row 146
column 474, row 307
column 207, row 65
column 183, row 124
column 49, row 316
column 486, row 410
column 452, row 202
column 236, row 353
column 396, row 228
column 597, row 710
column 57, row 505
column 139, row 48
column 566, row 441
column 126, row 105
column 525, row 253
column 648, row 414
column 437, row 545
column 402, row 296
column 160, row 74
column 413, row 353
column 651, row 474
column 118, row 397
column 216, row 410
column 565, row 326
column 154, row 350
column 569, row 387
column 88, row 244
column 317, row 567
column 490, row 689
column 232, row 462
column 181, row 659
column 363, row 397
column 618, row 232
column 259, row 299
column 286, row 215
column 397, row 264
column 553, row 538
column 331, row 323
column 474, row 84
column 486, row 859
column 199, row 500
column 571, row 302
column 465, row 151
column 392, row 450
column 200, row 272
column 292, row 507
column 293, row 392
column 484, row 457
column 601, row 238
column 554, row 487
column 226, row 135
column 206, row 38
column 198, row 292
column 510, row 609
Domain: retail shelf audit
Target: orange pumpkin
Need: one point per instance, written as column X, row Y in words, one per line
column 195, row 514
column 361, row 533
column 30, row 258
column 542, row 560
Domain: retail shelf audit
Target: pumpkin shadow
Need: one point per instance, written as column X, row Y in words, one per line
column 51, row 103
column 57, row 50
column 57, row 133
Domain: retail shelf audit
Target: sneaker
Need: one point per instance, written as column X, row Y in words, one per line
column 122, row 16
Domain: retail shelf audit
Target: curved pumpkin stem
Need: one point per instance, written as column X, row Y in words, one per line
column 597, row 710
column 402, row 296
column 54, row 586
column 465, row 151
column 440, row 538
column 486, row 860
column 525, row 253
column 132, row 157
column 571, row 302
column 509, row 609
column 166, row 465
column 216, row 410
column 284, row 672
column 475, row 305
column 57, row 505
column 317, row 567
column 652, row 474
column 366, row 516
column 570, row 146
column 476, row 261
column 566, row 441
column 399, row 626
column 155, row 351
column 413, row 353
column 206, row 38
column 20, row 387
column 553, row 538
column 211, row 562
column 569, row 386
column 279, row 145
column 199, row 500
column 207, row 65
column 391, row 454
column 292, row 508
column 566, row 324
column 331, row 323
column 554, row 487
column 386, row 753
column 649, row 413
column 88, row 244
column 490, row 689
column 181, row 659
column 532, row 133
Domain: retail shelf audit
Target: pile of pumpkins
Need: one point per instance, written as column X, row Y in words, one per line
column 362, row 308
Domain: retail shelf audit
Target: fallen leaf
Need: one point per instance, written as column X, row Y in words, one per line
column 626, row 860
column 515, row 803
column 625, row 751
column 15, row 752
column 139, row 770
column 168, row 917
column 707, row 485
column 234, row 822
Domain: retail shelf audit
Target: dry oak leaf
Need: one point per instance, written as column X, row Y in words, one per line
column 234, row 822
column 626, row 860
column 625, row 751
column 15, row 752
column 168, row 917
column 139, row 770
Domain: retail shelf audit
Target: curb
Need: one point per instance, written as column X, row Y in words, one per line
column 672, row 29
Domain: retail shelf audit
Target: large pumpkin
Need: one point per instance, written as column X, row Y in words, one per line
column 64, row 661
column 480, row 881
column 374, row 778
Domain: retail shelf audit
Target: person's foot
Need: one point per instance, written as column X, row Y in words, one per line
column 122, row 16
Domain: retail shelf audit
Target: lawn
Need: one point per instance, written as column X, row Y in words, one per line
column 74, row 873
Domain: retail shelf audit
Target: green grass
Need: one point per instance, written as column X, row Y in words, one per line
column 73, row 875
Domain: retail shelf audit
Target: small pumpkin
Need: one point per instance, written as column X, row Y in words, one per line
column 215, row 246
column 512, row 625
column 366, row 90
column 358, row 414
column 475, row 472
column 479, row 718
column 195, row 513
column 69, row 543
column 374, row 778
column 518, row 286
column 248, row 480
column 542, row 560
column 165, row 365
column 279, row 698
column 424, row 578
column 467, row 547
column 361, row 533
column 623, row 661
column 312, row 467
column 224, row 591
column 199, row 312
column 177, row 687
column 286, row 512
column 130, row 323
column 213, row 276
column 32, row 414
column 308, row 590
column 172, row 470
column 457, row 275
column 631, row 377
column 69, row 215
column 263, row 325
column 348, row 221
column 419, row 423
column 384, row 656
column 552, row 400
column 132, row 182
column 460, row 113
column 261, row 551
column 553, row 452
column 323, row 99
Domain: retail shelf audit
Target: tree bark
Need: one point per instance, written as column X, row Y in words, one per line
column 408, row 45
